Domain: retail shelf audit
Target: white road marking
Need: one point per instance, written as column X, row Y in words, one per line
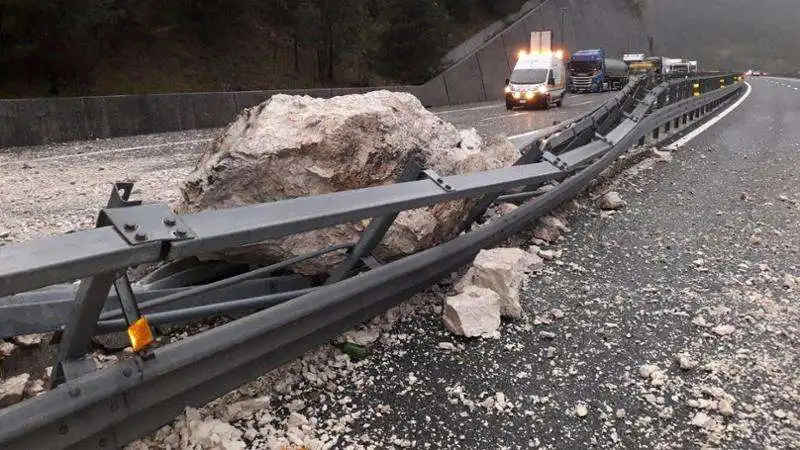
column 119, row 150
column 684, row 140
column 506, row 116
column 476, row 108
column 583, row 103
column 519, row 136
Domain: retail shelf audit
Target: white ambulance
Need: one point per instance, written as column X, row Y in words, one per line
column 538, row 79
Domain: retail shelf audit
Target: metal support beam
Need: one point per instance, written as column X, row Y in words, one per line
column 80, row 326
column 375, row 231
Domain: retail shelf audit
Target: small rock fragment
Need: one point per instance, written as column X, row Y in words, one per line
column 6, row 348
column 724, row 330
column 29, row 340
column 783, row 198
column 34, row 388
column 547, row 335
column 702, row 420
column 685, row 361
column 362, row 337
column 503, row 271
column 547, row 255
column 620, row 413
column 506, row 208
column 13, row 389
column 790, row 282
column 611, row 201
column 581, row 410
column 661, row 156
column 725, row 407
column 557, row 313
column 647, row 370
column 473, row 313
column 547, row 234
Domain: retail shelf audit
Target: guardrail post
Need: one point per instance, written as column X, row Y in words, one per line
column 375, row 231
column 79, row 328
column 89, row 301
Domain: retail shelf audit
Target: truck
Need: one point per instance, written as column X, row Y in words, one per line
column 539, row 76
column 591, row 71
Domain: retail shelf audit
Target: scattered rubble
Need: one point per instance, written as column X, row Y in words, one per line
column 209, row 433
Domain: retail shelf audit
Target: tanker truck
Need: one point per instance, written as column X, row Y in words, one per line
column 591, row 71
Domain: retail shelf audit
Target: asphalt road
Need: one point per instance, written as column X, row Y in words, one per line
column 493, row 118
column 699, row 264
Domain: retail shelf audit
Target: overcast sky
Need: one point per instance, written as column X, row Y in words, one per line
column 736, row 34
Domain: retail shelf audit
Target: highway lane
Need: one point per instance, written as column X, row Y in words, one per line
column 694, row 277
column 493, row 118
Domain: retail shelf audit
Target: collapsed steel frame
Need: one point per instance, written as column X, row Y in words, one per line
column 109, row 407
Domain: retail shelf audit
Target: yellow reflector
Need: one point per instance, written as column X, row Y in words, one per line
column 697, row 94
column 697, row 85
column 140, row 334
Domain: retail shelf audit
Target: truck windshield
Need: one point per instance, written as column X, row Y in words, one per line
column 528, row 76
column 585, row 66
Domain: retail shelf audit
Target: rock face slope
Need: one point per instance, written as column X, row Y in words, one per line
column 295, row 146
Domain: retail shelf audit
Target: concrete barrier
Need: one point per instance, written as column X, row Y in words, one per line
column 494, row 68
column 479, row 77
column 465, row 82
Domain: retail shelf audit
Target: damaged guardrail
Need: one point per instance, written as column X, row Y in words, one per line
column 109, row 407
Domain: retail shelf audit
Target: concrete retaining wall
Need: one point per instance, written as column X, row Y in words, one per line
column 480, row 77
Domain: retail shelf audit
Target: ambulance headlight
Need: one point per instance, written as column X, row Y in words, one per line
column 529, row 95
column 507, row 89
column 517, row 94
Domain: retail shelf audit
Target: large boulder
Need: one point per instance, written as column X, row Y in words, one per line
column 295, row 146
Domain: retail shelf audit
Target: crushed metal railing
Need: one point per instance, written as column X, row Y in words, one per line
column 109, row 407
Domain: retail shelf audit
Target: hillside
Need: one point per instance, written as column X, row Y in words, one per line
column 728, row 34
column 97, row 47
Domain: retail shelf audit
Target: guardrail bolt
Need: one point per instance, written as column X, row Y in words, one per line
column 169, row 221
column 141, row 236
column 130, row 227
column 127, row 371
column 63, row 429
column 74, row 392
column 180, row 232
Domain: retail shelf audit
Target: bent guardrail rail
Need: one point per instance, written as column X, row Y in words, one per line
column 110, row 407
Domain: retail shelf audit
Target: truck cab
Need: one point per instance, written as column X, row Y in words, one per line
column 591, row 71
column 537, row 80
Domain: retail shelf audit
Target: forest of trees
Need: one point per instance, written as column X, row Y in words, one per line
column 79, row 47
